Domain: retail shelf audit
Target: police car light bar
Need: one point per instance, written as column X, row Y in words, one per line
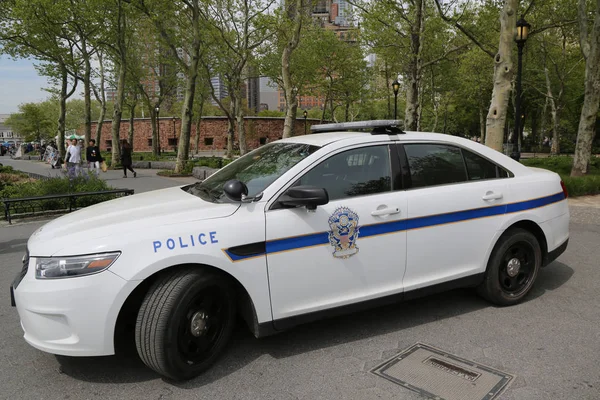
column 378, row 127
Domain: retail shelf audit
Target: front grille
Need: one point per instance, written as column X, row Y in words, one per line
column 23, row 272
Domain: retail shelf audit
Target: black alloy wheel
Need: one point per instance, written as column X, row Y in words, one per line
column 203, row 325
column 512, row 268
column 518, row 265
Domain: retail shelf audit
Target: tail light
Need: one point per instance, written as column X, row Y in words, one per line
column 564, row 188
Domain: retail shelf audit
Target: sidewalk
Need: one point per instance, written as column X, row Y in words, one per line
column 146, row 180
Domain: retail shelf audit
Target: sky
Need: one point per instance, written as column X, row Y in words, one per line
column 19, row 83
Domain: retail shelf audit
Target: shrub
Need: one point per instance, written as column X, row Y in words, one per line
column 582, row 185
column 576, row 186
column 59, row 186
column 561, row 164
column 211, row 162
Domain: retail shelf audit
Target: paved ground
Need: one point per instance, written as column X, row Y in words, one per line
column 146, row 178
column 551, row 342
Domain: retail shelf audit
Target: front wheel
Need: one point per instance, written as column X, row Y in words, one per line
column 185, row 322
column 512, row 268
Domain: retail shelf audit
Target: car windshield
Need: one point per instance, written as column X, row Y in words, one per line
column 257, row 169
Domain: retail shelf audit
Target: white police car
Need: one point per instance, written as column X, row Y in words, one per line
column 297, row 230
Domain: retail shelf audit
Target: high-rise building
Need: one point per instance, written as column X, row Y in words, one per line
column 219, row 88
column 336, row 15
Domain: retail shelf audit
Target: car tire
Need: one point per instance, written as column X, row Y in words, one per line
column 512, row 268
column 185, row 322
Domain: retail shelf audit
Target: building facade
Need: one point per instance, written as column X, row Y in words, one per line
column 7, row 135
column 213, row 133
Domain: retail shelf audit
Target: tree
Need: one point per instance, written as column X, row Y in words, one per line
column 239, row 27
column 38, row 29
column 590, row 47
column 400, row 32
column 116, row 40
column 84, row 24
column 503, row 73
column 151, row 63
column 293, row 17
column 100, row 95
column 33, row 121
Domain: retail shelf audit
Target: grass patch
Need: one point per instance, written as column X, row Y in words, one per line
column 576, row 186
column 10, row 176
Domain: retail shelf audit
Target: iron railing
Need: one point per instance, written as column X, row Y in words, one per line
column 57, row 203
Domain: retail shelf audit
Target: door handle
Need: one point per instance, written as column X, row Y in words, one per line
column 492, row 196
column 385, row 211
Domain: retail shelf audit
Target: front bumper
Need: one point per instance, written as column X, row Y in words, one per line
column 71, row 316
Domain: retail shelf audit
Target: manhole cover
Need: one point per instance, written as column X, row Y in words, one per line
column 442, row 376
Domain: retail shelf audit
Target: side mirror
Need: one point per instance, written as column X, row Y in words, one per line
column 309, row 196
column 234, row 190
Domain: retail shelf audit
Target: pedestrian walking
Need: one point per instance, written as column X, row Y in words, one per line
column 93, row 157
column 126, row 161
column 74, row 163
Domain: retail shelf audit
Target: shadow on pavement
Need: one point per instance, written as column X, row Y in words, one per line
column 244, row 348
column 14, row 246
column 550, row 278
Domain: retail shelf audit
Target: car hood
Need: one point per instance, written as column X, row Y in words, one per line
column 124, row 216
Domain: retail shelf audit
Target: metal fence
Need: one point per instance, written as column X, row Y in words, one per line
column 57, row 203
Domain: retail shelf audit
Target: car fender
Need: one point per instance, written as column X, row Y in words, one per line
column 252, row 277
column 512, row 219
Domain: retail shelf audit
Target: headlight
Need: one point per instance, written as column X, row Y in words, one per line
column 67, row 267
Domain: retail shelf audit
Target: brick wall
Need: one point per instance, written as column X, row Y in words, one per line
column 211, row 129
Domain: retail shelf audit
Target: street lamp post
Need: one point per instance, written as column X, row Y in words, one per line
column 157, row 109
column 396, row 88
column 174, row 137
column 305, row 113
column 521, row 37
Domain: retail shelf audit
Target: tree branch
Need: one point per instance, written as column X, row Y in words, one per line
column 555, row 25
column 446, row 54
column 463, row 30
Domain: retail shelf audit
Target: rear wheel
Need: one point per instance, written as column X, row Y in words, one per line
column 512, row 268
column 185, row 322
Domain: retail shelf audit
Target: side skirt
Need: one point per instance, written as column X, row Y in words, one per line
column 276, row 326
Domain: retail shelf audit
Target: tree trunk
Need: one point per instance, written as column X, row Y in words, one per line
column 183, row 148
column 543, row 123
column 324, row 108
column 591, row 101
column 122, row 75
column 387, row 91
column 198, row 121
column 553, row 108
column 295, row 11
column 117, row 114
column 241, row 129
column 131, row 125
column 481, row 123
column 154, row 124
column 503, row 73
column 87, row 95
column 291, row 105
column 411, row 113
column 102, row 99
column 62, row 111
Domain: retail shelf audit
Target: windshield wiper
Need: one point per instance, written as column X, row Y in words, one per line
column 198, row 189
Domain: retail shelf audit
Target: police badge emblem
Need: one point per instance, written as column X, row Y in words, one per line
column 344, row 232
